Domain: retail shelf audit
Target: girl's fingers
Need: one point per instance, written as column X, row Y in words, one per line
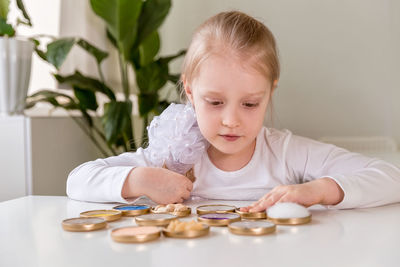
column 245, row 209
column 189, row 186
column 261, row 205
column 257, row 203
column 285, row 198
column 265, row 197
column 180, row 200
column 186, row 194
column 265, row 203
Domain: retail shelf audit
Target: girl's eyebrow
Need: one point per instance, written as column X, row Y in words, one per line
column 257, row 93
column 260, row 93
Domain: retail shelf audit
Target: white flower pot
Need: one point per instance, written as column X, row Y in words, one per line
column 15, row 72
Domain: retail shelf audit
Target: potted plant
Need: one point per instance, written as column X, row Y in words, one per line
column 132, row 28
column 15, row 61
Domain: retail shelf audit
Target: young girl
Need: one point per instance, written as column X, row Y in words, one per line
column 229, row 75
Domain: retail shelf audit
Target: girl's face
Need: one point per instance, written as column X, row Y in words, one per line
column 230, row 99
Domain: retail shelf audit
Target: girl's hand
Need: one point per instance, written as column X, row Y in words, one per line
column 161, row 185
column 321, row 191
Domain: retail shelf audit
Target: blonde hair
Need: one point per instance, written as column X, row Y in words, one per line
column 239, row 34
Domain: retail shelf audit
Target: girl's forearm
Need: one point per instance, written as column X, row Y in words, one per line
column 332, row 193
column 131, row 187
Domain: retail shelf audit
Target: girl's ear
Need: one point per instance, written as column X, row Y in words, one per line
column 274, row 86
column 188, row 90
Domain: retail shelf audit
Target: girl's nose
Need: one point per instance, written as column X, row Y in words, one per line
column 230, row 118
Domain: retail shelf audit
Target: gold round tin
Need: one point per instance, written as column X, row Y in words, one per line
column 132, row 210
column 155, row 219
column 205, row 209
column 135, row 234
column 187, row 234
column 251, row 215
column 260, row 227
column 108, row 215
column 83, row 224
column 290, row 221
column 218, row 219
column 182, row 213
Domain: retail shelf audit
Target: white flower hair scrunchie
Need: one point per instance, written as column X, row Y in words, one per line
column 175, row 140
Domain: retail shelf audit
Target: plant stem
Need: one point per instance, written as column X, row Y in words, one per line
column 123, row 65
column 132, row 143
column 144, row 131
column 44, row 36
column 124, row 75
column 100, row 73
column 126, row 147
column 90, row 135
column 104, row 139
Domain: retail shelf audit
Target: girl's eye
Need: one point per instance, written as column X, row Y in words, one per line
column 215, row 102
column 250, row 105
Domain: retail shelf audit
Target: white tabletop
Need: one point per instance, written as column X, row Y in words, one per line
column 31, row 235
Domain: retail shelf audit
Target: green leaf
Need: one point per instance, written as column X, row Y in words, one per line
column 21, row 6
column 135, row 59
column 58, row 50
column 111, row 39
column 152, row 16
column 121, row 18
column 5, row 28
column 151, row 77
column 48, row 96
column 147, row 102
column 117, row 122
column 51, row 97
column 41, row 54
column 87, row 98
column 23, row 22
column 88, row 83
column 94, row 51
column 35, row 42
column 164, row 61
column 87, row 117
column 161, row 106
column 168, row 59
column 155, row 75
column 149, row 48
column 4, row 9
column 174, row 78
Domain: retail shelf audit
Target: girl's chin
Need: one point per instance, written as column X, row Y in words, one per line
column 219, row 146
column 226, row 149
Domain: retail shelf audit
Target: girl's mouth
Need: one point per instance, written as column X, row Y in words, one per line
column 230, row 138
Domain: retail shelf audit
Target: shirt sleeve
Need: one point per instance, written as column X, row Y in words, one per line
column 102, row 180
column 366, row 182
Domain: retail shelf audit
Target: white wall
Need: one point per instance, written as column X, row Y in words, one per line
column 38, row 153
column 45, row 17
column 78, row 19
column 340, row 68
column 340, row 60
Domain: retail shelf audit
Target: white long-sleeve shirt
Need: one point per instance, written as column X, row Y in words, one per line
column 280, row 158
